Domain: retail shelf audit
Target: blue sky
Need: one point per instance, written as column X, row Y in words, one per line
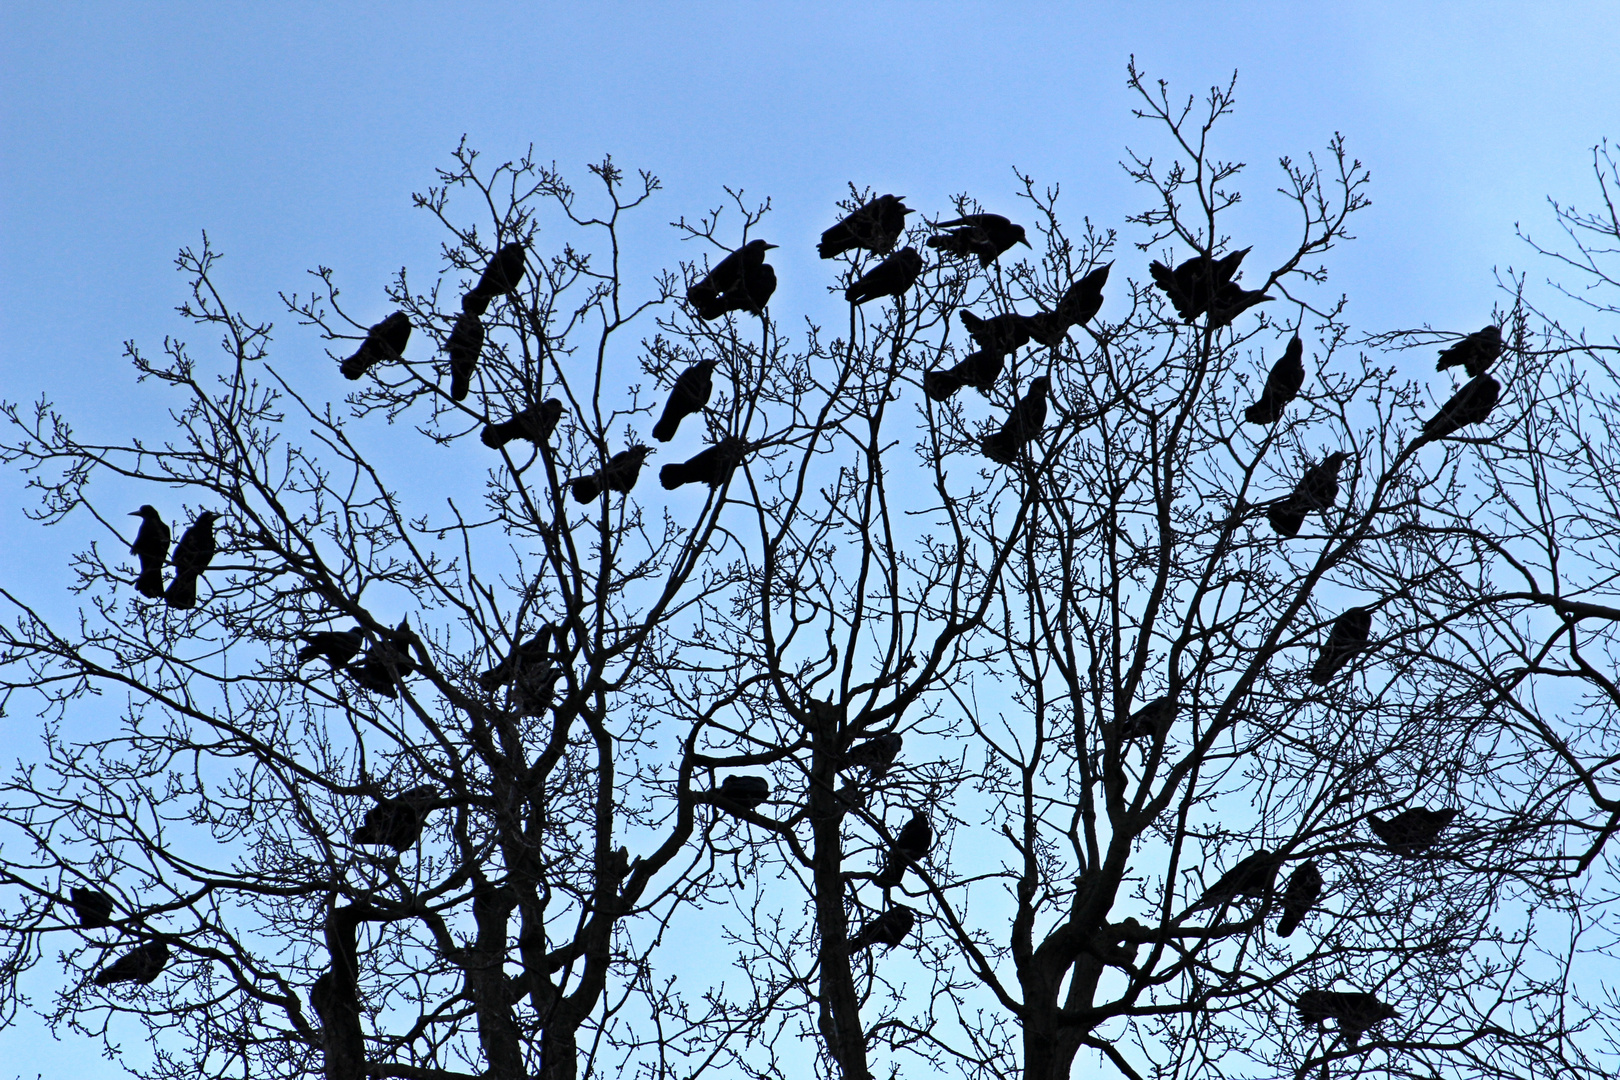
column 295, row 133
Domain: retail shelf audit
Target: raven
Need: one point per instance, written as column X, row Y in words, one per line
column 1282, row 385
column 1001, row 333
column 1080, row 302
column 92, row 907
column 1304, row 886
column 1152, row 718
column 1355, row 1012
column 1412, row 832
column 619, row 474
column 466, row 341
column 891, row 277
column 984, row 235
column 875, row 226
column 532, row 652
column 152, row 547
column 874, row 755
column 1232, row 300
column 535, row 423
column 387, row 662
column 1252, row 876
column 1316, row 490
column 1470, row 405
column 888, row 929
column 385, row 341
column 1194, row 284
column 712, row 466
column 141, row 964
column 1022, row 424
column 742, row 792
column 916, row 837
column 1347, row 638
column 191, row 557
column 978, row 370
column 1476, row 352
column 709, row 296
column 689, row 394
column 397, row 822
column 503, row 274
column 338, row 646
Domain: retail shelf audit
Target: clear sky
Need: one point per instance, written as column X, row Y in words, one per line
column 294, row 134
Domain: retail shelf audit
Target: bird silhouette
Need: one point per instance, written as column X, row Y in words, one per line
column 1152, row 718
column 397, row 822
column 619, row 474
column 151, row 546
column 984, row 235
column 141, row 964
column 1355, row 1012
column 387, row 662
column 1252, row 877
column 1412, row 832
column 1475, row 353
column 1022, row 424
column 191, row 557
column 532, row 653
column 1000, row 333
column 533, row 689
column 92, row 907
column 712, row 466
column 1470, row 405
column 535, row 423
column 337, row 646
column 1080, row 302
column 876, row 226
column 1282, row 385
column 1317, row 490
column 503, row 274
column 915, row 838
column 1192, row 285
column 1347, row 638
column 888, row 929
column 690, row 393
column 891, row 277
column 737, row 793
column 1232, row 300
column 874, row 755
column 978, row 370
column 737, row 282
column 385, row 341
column 465, row 343
column 1304, row 886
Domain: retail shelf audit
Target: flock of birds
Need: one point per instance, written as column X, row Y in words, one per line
column 1202, row 286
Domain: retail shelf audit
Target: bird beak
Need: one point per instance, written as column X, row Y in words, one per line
column 1026, row 243
column 134, row 513
column 769, row 247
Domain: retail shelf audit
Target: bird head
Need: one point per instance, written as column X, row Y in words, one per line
column 1041, row 385
column 148, row 512
column 1018, row 232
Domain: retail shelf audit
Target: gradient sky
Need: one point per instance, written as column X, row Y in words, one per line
column 295, row 133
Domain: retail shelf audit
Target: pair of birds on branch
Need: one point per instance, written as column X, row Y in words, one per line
column 1255, row 877
column 93, row 910
column 876, row 756
column 386, row 664
column 191, row 557
column 1477, row 397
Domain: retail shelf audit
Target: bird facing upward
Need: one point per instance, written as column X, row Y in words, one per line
column 1282, row 385
column 692, row 390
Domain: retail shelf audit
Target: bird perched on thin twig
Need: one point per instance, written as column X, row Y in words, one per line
column 1232, row 300
column 1080, row 302
column 737, row 793
column 1475, row 353
column 891, row 277
column 690, row 393
column 141, row 964
column 535, row 423
column 1304, row 886
column 337, row 646
column 1152, row 718
column 1347, row 638
column 1470, row 405
column 532, row 653
column 387, row 662
column 888, row 929
column 1193, row 285
column 1252, row 877
column 978, row 370
column 876, row 226
column 191, row 557
column 1022, row 424
column 1282, row 385
column 740, row 281
column 151, row 546
column 1318, row 489
column 619, row 474
column 1000, row 333
column 1414, row 831
column 984, row 235
column 397, row 821
column 1355, row 1012
column 92, row 907
column 876, row 756
column 915, row 838
column 712, row 466
column 503, row 274
column 385, row 341
column 465, row 343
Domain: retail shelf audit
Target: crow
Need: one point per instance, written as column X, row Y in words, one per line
column 1412, row 832
column 1282, row 385
column 1476, row 352
column 465, row 343
column 151, row 546
column 1080, row 302
column 385, row 341
column 92, row 907
column 984, row 235
column 1001, row 333
column 978, row 370
column 1304, row 886
column 742, row 793
column 141, row 964
column 712, row 466
column 397, row 822
column 191, row 557
column 338, row 646
column 535, row 651
column 1022, row 424
column 874, row 755
column 1316, row 490
column 619, row 474
column 1347, row 638
column 876, row 227
column 1355, row 1012
column 888, row 929
column 707, row 296
column 387, row 662
column 891, row 277
column 689, row 394
column 750, row 293
column 1253, row 876
column 916, row 837
column 533, row 689
column 535, row 423
column 1232, row 300
column 1192, row 285
column 503, row 274
column 1470, row 405
column 1152, row 718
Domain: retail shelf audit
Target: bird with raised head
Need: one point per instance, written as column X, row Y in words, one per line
column 535, row 424
column 712, row 466
column 978, row 370
column 151, row 546
column 912, row 843
column 1282, row 385
column 737, row 282
column 691, row 392
column 619, row 474
column 1299, row 896
column 1347, row 637
column 888, row 929
column 1474, row 353
column 891, row 277
column 397, row 821
column 191, row 557
column 1414, row 831
column 1021, row 426
column 1317, row 490
column 141, row 964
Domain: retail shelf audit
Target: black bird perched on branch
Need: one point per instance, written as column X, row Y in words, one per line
column 1000, row 333
column 1194, row 284
column 92, row 907
column 888, row 929
column 1470, row 405
column 1232, row 300
column 1476, row 352
column 619, row 474
column 978, row 370
column 1080, row 302
column 1355, row 1012
column 1252, row 876
column 1022, row 425
column 387, row 662
column 1152, row 718
column 385, row 341
column 151, row 546
column 690, row 393
column 891, row 277
column 1318, row 489
column 191, row 557
column 742, row 792
column 984, row 235
column 141, row 964
column 1412, row 832
column 738, row 282
column 465, row 343
column 397, row 822
column 534, row 688
column 1282, row 385
column 1304, row 886
column 874, row 755
column 1347, row 638
column 915, row 838
column 876, row 227
column 338, row 646
column 504, row 274
column 712, row 466
column 535, row 423
column 534, row 652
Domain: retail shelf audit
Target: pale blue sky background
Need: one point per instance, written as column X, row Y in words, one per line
column 294, row 133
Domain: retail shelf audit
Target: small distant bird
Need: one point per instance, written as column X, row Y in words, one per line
column 1282, row 385
column 1412, row 832
column 978, row 370
column 690, row 393
column 915, row 838
column 1001, row 333
column 1355, row 1012
column 891, row 277
column 742, row 792
column 92, row 907
column 397, row 822
column 1347, row 638
column 888, row 929
column 1317, row 490
column 464, row 345
column 619, row 474
column 1304, row 886
column 876, row 227
column 1252, row 877
column 385, row 341
column 337, row 646
column 1194, row 284
column 191, row 557
column 151, row 546
column 1476, row 352
column 387, row 662
column 874, row 755
column 984, row 235
column 1022, row 424
column 141, row 964
column 504, row 274
column 535, row 423
column 532, row 653
column 712, row 466
column 1152, row 718
column 1470, row 405
column 725, row 286
column 1080, row 302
